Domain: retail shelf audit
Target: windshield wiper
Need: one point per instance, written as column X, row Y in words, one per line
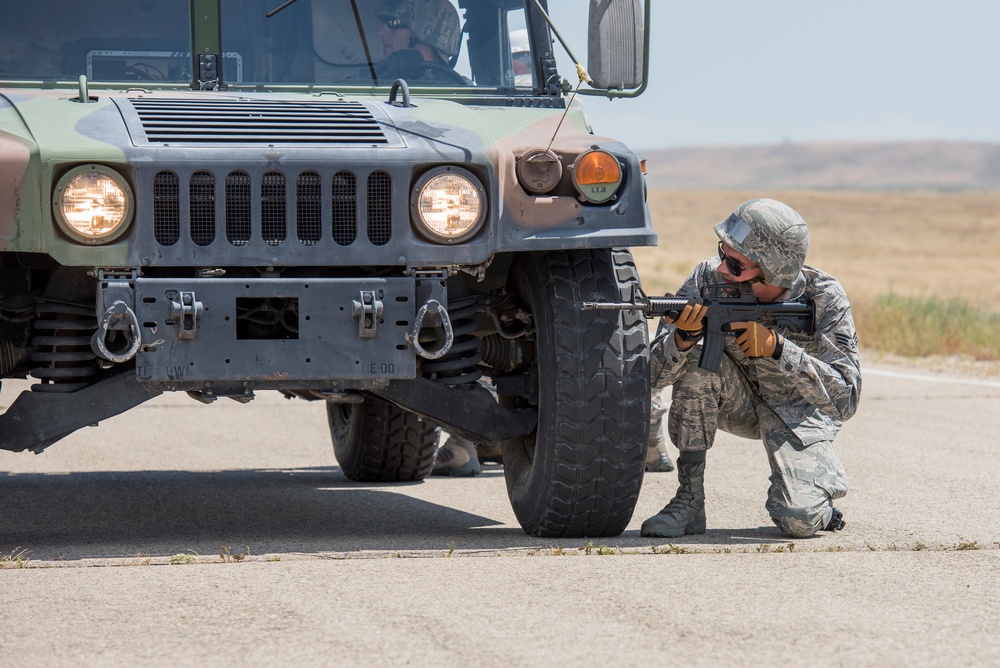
column 364, row 41
column 361, row 32
column 275, row 11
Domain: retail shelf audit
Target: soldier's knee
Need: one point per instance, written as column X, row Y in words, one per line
column 695, row 385
column 799, row 522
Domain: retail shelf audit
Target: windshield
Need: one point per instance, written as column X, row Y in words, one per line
column 451, row 43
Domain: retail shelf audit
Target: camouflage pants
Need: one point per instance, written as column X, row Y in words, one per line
column 657, row 408
column 804, row 479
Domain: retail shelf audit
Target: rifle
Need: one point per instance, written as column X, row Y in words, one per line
column 723, row 308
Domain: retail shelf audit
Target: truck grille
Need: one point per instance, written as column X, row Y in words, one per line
column 242, row 121
column 270, row 209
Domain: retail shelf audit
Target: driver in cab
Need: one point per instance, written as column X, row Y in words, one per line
column 416, row 33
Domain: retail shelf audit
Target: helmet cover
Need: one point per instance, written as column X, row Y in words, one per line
column 770, row 233
column 432, row 21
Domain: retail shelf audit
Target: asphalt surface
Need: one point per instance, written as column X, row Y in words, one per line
column 277, row 557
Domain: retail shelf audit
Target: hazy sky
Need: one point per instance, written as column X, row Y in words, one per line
column 768, row 71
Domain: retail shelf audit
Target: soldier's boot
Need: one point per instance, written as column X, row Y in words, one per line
column 490, row 452
column 657, row 457
column 836, row 522
column 685, row 514
column 456, row 457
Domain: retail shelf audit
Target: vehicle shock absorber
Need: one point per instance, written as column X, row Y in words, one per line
column 62, row 345
column 460, row 365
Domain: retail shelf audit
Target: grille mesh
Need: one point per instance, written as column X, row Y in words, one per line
column 166, row 208
column 379, row 208
column 238, row 208
column 202, row 197
column 259, row 208
column 345, row 208
column 309, row 208
column 272, row 208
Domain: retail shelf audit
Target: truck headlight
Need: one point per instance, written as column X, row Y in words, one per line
column 93, row 204
column 597, row 176
column 448, row 204
column 538, row 171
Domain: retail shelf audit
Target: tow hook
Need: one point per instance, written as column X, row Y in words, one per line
column 367, row 309
column 431, row 310
column 118, row 318
column 185, row 310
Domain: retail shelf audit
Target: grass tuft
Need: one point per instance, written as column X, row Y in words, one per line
column 228, row 556
column 16, row 558
column 922, row 326
column 964, row 544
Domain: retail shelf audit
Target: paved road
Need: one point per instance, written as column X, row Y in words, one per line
column 341, row 573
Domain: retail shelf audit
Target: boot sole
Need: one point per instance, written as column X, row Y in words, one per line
column 689, row 530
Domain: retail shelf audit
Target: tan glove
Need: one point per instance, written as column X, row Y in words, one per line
column 690, row 320
column 756, row 339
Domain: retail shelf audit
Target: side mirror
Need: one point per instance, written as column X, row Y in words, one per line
column 617, row 43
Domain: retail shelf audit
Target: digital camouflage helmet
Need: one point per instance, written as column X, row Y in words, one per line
column 432, row 21
column 771, row 234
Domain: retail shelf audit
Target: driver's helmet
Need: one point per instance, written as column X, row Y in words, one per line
column 432, row 21
column 771, row 234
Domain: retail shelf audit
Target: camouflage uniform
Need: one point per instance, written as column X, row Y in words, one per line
column 657, row 457
column 795, row 404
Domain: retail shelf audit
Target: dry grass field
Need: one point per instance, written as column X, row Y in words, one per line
column 926, row 245
column 913, row 244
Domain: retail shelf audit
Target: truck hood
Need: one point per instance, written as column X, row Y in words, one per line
column 116, row 124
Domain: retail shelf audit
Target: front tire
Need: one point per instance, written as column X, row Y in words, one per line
column 580, row 473
column 375, row 441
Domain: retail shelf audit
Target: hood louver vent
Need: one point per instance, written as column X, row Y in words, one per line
column 238, row 121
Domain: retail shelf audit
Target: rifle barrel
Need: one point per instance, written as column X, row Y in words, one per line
column 610, row 306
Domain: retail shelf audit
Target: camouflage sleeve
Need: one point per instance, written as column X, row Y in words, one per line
column 666, row 361
column 828, row 377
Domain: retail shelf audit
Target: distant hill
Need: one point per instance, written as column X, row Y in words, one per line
column 846, row 166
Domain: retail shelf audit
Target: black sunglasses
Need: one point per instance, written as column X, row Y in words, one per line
column 735, row 268
column 395, row 24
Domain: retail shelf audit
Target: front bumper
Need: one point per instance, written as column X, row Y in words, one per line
column 226, row 335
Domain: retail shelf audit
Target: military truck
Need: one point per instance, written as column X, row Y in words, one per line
column 221, row 197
